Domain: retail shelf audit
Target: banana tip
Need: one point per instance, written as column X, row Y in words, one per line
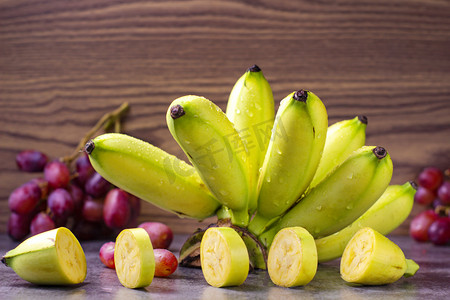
column 4, row 261
column 254, row 68
column 176, row 111
column 362, row 119
column 301, row 95
column 379, row 152
column 89, row 147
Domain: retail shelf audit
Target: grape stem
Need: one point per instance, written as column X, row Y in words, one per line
column 108, row 120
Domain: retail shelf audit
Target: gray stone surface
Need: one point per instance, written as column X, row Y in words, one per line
column 431, row 282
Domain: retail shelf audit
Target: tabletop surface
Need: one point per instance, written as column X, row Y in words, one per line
column 430, row 282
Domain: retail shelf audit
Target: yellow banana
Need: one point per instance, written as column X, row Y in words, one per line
column 53, row 257
column 390, row 210
column 372, row 259
column 151, row 174
column 134, row 258
column 215, row 149
column 250, row 108
column 292, row 257
column 350, row 190
column 343, row 138
column 224, row 257
column 294, row 152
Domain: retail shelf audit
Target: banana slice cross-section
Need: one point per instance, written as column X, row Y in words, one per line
column 292, row 259
column 224, row 257
column 54, row 257
column 134, row 258
column 370, row 258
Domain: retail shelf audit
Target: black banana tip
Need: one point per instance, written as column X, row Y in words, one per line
column 414, row 185
column 176, row 111
column 254, row 68
column 4, row 261
column 301, row 95
column 362, row 119
column 379, row 152
column 89, row 147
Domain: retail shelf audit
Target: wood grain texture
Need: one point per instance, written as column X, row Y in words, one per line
column 65, row 63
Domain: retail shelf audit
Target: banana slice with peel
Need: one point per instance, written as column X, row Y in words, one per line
column 224, row 257
column 370, row 258
column 292, row 257
column 53, row 257
column 134, row 258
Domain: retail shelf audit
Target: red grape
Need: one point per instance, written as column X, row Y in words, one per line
column 84, row 168
column 160, row 234
column 87, row 230
column 18, row 226
column 106, row 254
column 165, row 262
column 418, row 228
column 31, row 161
column 116, row 209
column 77, row 196
column 444, row 193
column 43, row 185
column 40, row 223
column 92, row 209
column 61, row 203
column 135, row 204
column 97, row 186
column 424, row 196
column 24, row 198
column 57, row 174
column 430, row 178
column 439, row 231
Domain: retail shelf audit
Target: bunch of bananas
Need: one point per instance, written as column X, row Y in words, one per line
column 260, row 172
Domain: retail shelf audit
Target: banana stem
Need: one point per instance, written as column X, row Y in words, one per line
column 411, row 268
column 107, row 120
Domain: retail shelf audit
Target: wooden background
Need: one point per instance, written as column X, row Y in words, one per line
column 63, row 64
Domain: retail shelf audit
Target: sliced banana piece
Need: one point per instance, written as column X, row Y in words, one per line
column 134, row 258
column 370, row 258
column 224, row 257
column 54, row 257
column 292, row 259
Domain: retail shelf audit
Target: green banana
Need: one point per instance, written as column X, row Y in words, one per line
column 292, row 157
column 151, row 174
column 343, row 138
column 215, row 149
column 350, row 190
column 250, row 108
column 53, row 257
column 390, row 210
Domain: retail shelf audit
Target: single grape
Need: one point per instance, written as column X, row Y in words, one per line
column 40, row 223
column 160, row 234
column 43, row 185
column 424, row 196
column 24, row 199
column 439, row 231
column 31, row 161
column 106, row 254
column 18, row 226
column 61, row 203
column 444, row 193
column 97, row 186
column 57, row 174
column 430, row 178
column 165, row 262
column 84, row 169
column 92, row 209
column 78, row 197
column 418, row 228
column 116, row 209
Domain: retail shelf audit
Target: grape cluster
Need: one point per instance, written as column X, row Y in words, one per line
column 433, row 192
column 72, row 195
